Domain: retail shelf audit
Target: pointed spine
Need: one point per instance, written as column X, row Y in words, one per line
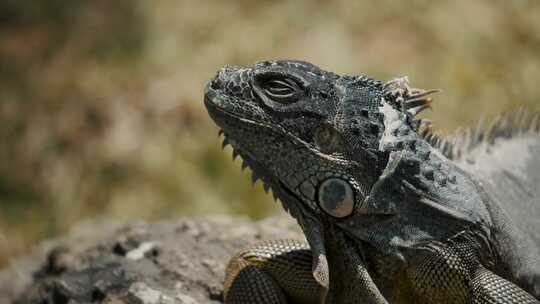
column 225, row 143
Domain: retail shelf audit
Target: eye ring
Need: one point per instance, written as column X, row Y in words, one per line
column 336, row 197
column 279, row 88
column 283, row 90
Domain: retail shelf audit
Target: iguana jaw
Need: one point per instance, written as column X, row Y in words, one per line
column 291, row 203
column 224, row 118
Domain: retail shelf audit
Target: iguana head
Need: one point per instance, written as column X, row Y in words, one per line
column 309, row 134
column 321, row 141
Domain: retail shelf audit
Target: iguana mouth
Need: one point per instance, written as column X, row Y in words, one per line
column 215, row 110
column 222, row 116
column 213, row 107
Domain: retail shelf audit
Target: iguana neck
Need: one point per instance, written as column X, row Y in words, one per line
column 419, row 189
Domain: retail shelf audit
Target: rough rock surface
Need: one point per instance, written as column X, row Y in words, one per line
column 179, row 261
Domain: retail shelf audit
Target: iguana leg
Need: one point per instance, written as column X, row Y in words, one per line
column 271, row 272
column 453, row 274
column 489, row 288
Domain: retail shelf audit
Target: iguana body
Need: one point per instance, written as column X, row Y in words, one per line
column 391, row 214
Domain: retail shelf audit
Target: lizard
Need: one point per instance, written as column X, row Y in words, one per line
column 392, row 212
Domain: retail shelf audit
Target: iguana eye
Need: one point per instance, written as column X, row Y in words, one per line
column 336, row 197
column 281, row 90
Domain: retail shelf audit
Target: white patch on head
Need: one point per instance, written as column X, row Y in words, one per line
column 393, row 119
column 399, row 87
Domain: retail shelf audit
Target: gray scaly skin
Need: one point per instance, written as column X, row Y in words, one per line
column 391, row 212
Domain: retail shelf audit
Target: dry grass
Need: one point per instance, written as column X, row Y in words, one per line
column 100, row 102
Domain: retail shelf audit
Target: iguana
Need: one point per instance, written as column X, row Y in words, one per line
column 391, row 212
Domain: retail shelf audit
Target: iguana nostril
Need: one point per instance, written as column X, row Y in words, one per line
column 219, row 81
column 222, row 77
column 216, row 83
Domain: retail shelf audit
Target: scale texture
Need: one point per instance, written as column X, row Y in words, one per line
column 392, row 213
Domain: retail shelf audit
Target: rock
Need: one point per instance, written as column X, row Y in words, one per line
column 137, row 263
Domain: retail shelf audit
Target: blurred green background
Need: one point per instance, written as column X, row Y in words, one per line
column 101, row 101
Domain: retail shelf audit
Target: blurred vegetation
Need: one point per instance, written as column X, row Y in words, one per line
column 101, row 101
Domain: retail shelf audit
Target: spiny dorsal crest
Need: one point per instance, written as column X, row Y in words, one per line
column 413, row 101
column 506, row 126
column 409, row 100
